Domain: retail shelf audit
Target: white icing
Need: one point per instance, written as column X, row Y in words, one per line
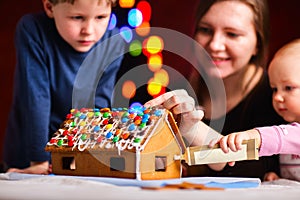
column 137, row 164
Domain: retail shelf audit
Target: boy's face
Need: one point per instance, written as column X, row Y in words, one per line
column 284, row 72
column 81, row 24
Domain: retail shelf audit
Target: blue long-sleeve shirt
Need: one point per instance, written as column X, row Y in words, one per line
column 47, row 85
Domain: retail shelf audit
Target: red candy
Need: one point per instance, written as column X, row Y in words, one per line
column 53, row 141
column 105, row 122
column 70, row 137
column 83, row 110
column 69, row 116
column 74, row 131
column 114, row 114
column 70, row 143
column 99, row 139
column 66, row 132
column 137, row 118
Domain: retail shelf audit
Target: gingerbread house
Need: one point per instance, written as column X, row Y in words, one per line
column 139, row 143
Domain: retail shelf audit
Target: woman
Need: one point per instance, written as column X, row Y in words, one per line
column 235, row 35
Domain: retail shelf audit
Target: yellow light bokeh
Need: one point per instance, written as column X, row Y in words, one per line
column 153, row 87
column 161, row 77
column 143, row 29
column 128, row 89
column 155, row 62
column 154, row 44
column 126, row 3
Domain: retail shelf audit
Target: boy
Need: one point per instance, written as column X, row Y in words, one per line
column 51, row 47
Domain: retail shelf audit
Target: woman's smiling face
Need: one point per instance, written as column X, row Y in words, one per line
column 228, row 34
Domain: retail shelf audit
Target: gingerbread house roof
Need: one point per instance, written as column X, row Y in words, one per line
column 117, row 128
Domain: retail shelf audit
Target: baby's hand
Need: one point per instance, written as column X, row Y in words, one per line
column 218, row 166
column 234, row 141
column 271, row 176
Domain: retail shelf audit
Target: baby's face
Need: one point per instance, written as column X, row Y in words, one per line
column 83, row 23
column 284, row 73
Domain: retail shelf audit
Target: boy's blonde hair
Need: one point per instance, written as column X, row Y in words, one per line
column 54, row 2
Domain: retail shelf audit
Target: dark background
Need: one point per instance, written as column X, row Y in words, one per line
column 172, row 14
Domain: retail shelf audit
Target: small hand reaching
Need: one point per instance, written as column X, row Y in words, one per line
column 35, row 168
column 234, row 141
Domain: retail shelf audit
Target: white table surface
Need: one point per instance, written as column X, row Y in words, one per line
column 68, row 187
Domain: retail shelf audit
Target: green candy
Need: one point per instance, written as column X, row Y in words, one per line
column 60, row 143
column 73, row 124
column 83, row 137
column 115, row 139
column 97, row 114
column 106, row 115
column 142, row 125
column 137, row 140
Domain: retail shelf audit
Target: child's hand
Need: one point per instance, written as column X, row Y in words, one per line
column 218, row 166
column 35, row 168
column 234, row 141
column 271, row 176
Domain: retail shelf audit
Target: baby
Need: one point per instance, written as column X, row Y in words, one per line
column 284, row 74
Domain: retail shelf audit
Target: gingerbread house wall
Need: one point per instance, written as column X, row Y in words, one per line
column 163, row 147
column 92, row 163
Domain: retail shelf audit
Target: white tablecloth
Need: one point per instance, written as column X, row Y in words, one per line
column 67, row 187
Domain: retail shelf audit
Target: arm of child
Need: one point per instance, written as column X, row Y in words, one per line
column 234, row 141
column 35, row 168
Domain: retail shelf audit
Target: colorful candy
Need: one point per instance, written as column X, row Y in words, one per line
column 106, row 127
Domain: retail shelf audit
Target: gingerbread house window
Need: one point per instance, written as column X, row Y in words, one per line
column 68, row 163
column 160, row 163
column 117, row 164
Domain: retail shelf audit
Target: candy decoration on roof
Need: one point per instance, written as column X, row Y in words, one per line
column 104, row 128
